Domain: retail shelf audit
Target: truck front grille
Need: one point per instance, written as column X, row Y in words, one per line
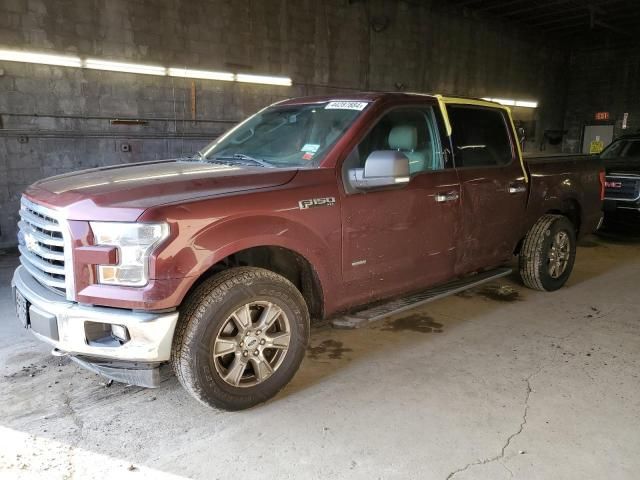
column 622, row 188
column 42, row 245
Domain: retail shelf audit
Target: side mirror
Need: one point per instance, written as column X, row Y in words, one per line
column 383, row 168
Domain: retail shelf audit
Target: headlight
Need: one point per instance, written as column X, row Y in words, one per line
column 135, row 242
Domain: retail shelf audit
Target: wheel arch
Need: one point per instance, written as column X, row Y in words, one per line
column 284, row 261
column 568, row 207
column 276, row 242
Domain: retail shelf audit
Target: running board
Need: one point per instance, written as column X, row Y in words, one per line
column 399, row 305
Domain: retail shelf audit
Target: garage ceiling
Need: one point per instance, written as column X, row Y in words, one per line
column 585, row 23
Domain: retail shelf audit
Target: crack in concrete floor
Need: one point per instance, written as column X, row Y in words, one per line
column 598, row 315
column 509, row 439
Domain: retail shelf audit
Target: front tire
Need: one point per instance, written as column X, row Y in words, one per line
column 241, row 337
column 548, row 253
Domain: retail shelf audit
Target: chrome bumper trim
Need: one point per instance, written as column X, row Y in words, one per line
column 151, row 333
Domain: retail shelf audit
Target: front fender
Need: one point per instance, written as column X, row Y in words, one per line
column 211, row 243
column 231, row 236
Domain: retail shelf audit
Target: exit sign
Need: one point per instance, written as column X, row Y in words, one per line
column 602, row 115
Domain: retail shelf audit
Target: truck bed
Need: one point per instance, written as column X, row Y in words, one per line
column 566, row 183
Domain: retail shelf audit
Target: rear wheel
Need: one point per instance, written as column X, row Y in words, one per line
column 241, row 337
column 548, row 253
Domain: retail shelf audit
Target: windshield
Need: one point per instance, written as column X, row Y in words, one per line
column 285, row 136
column 624, row 148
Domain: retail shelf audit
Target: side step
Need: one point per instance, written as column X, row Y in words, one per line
column 399, row 305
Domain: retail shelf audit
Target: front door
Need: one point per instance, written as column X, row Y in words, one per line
column 401, row 239
column 493, row 186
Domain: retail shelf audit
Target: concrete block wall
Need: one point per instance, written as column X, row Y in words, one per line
column 58, row 119
column 602, row 81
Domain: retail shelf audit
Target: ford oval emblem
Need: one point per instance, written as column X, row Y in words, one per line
column 31, row 242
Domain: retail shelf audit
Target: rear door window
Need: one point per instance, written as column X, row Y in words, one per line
column 480, row 136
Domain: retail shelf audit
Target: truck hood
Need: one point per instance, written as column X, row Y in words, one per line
column 124, row 192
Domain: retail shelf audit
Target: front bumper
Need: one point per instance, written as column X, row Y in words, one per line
column 65, row 326
column 622, row 213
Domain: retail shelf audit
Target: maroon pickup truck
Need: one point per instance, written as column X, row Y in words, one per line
column 313, row 206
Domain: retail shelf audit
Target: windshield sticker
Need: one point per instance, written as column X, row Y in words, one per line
column 307, row 156
column 310, row 147
column 346, row 106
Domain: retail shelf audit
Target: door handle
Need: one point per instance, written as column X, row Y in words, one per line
column 516, row 188
column 447, row 197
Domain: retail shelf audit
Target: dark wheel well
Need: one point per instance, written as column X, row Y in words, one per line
column 571, row 209
column 291, row 265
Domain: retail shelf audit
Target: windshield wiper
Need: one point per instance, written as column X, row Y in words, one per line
column 245, row 159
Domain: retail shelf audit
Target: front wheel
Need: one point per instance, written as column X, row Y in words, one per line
column 241, row 337
column 548, row 253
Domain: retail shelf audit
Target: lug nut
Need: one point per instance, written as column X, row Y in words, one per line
column 242, row 344
column 256, row 352
column 258, row 332
column 245, row 353
column 262, row 342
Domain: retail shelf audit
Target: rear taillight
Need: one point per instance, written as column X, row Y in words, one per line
column 603, row 177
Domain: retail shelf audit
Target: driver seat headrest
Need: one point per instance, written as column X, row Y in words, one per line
column 403, row 137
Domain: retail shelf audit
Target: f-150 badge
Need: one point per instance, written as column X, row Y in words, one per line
column 317, row 202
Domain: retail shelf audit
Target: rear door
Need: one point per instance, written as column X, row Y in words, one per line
column 403, row 238
column 492, row 182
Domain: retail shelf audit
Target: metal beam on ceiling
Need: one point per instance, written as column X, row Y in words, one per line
column 487, row 8
column 567, row 26
column 592, row 17
column 468, row 3
column 571, row 7
column 554, row 13
column 537, row 23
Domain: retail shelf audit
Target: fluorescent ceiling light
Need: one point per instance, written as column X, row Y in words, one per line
column 148, row 177
column 97, row 64
column 513, row 103
column 217, row 168
column 126, row 67
column 205, row 74
column 263, row 79
column 41, row 58
column 527, row 104
column 504, row 101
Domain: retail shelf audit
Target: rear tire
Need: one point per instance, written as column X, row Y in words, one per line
column 548, row 253
column 241, row 337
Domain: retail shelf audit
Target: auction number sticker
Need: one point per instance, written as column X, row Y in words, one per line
column 346, row 105
column 310, row 147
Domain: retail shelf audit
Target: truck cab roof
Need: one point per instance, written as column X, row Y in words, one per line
column 388, row 96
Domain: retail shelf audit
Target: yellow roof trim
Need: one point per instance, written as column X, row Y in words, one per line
column 473, row 101
column 445, row 115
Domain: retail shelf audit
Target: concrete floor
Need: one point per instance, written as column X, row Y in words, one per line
column 490, row 384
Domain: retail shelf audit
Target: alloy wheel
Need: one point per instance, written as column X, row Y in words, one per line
column 559, row 254
column 252, row 344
